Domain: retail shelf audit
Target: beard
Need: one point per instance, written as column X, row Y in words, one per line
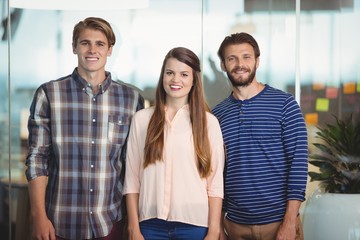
column 240, row 81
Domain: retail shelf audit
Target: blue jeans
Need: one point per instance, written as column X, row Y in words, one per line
column 156, row 229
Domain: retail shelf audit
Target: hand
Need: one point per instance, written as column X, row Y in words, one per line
column 135, row 235
column 212, row 234
column 287, row 231
column 211, row 237
column 43, row 229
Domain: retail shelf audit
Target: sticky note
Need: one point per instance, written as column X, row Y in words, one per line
column 312, row 118
column 358, row 87
column 349, row 88
column 318, row 86
column 322, row 104
column 331, row 92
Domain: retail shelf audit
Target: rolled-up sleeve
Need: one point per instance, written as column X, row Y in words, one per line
column 39, row 128
column 215, row 181
column 134, row 156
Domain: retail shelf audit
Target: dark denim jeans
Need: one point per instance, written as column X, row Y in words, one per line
column 158, row 229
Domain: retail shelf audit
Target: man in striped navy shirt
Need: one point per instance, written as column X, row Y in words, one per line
column 78, row 128
column 267, row 151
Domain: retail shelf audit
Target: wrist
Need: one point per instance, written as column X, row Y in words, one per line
column 214, row 230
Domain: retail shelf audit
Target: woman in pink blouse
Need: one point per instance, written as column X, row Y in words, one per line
column 175, row 159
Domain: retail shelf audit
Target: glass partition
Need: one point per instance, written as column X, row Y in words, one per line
column 311, row 44
column 274, row 30
column 5, row 130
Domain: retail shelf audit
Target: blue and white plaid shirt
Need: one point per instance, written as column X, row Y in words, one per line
column 77, row 139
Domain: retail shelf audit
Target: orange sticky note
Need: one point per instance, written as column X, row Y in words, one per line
column 312, row 118
column 318, row 86
column 332, row 92
column 349, row 88
column 322, row 104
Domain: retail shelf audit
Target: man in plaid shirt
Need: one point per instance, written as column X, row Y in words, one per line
column 78, row 127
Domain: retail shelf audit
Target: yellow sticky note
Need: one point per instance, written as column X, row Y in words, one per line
column 349, row 88
column 358, row 87
column 312, row 118
column 331, row 92
column 322, row 104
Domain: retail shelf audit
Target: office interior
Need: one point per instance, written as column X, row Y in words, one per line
column 309, row 48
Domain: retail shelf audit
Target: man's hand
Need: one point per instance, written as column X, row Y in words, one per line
column 43, row 229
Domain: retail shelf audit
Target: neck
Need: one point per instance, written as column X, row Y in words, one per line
column 247, row 92
column 94, row 78
column 176, row 103
column 172, row 107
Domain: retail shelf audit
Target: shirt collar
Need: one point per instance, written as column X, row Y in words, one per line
column 183, row 108
column 83, row 83
column 235, row 100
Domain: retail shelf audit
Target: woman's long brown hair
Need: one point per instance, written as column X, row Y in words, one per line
column 154, row 142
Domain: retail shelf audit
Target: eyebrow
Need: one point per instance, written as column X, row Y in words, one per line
column 185, row 71
column 88, row 41
column 99, row 41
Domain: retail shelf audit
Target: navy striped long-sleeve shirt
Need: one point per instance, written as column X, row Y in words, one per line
column 267, row 155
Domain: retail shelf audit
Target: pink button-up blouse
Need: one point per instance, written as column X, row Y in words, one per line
column 172, row 189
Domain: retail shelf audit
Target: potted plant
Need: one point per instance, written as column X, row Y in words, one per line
column 333, row 210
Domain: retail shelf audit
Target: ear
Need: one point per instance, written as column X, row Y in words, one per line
column 74, row 49
column 110, row 51
column 257, row 62
column 222, row 65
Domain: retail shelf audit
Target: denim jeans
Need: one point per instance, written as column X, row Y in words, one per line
column 158, row 229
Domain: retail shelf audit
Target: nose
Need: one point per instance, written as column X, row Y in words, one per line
column 176, row 78
column 92, row 48
column 239, row 62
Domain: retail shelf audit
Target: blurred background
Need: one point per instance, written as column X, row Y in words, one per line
column 309, row 48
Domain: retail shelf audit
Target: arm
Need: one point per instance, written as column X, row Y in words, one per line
column 215, row 205
column 296, row 147
column 37, row 163
column 215, row 180
column 43, row 228
column 287, row 229
column 132, row 205
column 134, row 153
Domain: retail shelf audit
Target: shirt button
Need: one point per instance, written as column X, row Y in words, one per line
column 91, row 189
column 94, row 120
column 92, row 141
column 91, row 212
column 94, row 99
column 91, row 165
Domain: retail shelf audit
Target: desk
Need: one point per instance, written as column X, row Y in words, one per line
column 19, row 208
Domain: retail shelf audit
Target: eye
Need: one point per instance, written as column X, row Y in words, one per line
column 248, row 56
column 185, row 74
column 168, row 73
column 230, row 59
